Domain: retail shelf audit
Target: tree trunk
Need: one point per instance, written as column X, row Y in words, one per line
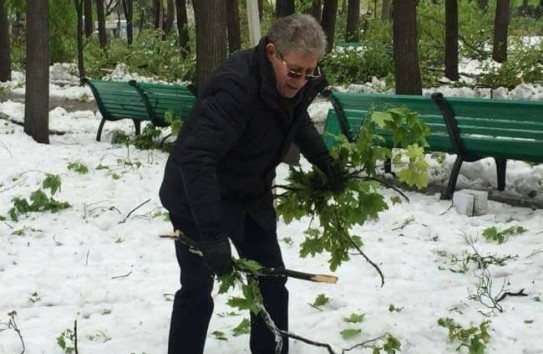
column 5, row 60
column 101, row 18
column 405, row 51
column 182, row 27
column 353, row 19
column 168, row 19
column 128, row 8
column 89, row 25
column 501, row 24
column 80, row 58
column 328, row 23
column 232, row 23
column 36, row 117
column 210, row 16
column 158, row 12
column 451, row 39
column 316, row 9
column 386, row 10
column 284, row 8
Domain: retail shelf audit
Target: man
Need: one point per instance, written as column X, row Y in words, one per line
column 218, row 178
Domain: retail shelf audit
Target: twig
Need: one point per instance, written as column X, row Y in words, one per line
column 387, row 185
column 11, row 187
column 534, row 253
column 449, row 208
column 484, row 292
column 374, row 265
column 7, row 149
column 87, row 258
column 508, row 293
column 122, row 276
column 133, row 210
column 75, row 337
column 363, row 344
column 13, row 325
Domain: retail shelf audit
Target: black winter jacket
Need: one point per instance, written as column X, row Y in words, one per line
column 223, row 162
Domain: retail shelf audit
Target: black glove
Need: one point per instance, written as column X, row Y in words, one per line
column 217, row 254
column 335, row 175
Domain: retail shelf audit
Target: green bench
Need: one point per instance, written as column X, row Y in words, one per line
column 501, row 129
column 140, row 101
column 160, row 99
column 117, row 100
column 470, row 128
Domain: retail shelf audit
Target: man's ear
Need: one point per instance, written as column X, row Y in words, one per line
column 270, row 51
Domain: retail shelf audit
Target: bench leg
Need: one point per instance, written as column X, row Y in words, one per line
column 453, row 178
column 388, row 166
column 137, row 126
column 100, row 127
column 501, row 166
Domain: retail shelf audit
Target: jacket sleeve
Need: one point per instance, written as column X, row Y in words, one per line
column 218, row 121
column 311, row 144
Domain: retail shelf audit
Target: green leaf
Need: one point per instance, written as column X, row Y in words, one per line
column 219, row 335
column 52, row 182
column 321, row 300
column 244, row 327
column 355, row 318
column 350, row 333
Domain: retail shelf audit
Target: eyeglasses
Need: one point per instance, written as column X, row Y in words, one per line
column 296, row 74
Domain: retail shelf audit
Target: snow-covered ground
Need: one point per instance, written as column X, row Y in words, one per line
column 101, row 262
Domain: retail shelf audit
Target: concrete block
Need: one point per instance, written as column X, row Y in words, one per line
column 471, row 202
column 463, row 203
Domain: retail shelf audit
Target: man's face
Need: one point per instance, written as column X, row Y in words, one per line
column 292, row 70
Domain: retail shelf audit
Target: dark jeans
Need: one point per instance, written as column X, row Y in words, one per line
column 193, row 304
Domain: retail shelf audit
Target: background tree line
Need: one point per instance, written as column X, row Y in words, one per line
column 186, row 40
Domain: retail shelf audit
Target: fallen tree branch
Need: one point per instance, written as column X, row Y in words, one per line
column 133, row 210
column 265, row 272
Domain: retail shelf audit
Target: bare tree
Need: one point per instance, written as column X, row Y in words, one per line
column 101, row 18
column 36, row 118
column 5, row 60
column 405, row 50
column 87, row 12
column 451, row 39
column 501, row 24
column 182, row 26
column 284, row 8
column 329, row 15
column 232, row 23
column 353, row 19
column 210, row 16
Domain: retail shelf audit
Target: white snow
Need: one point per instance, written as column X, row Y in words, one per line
column 102, row 263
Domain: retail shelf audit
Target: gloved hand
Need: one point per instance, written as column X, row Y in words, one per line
column 335, row 175
column 217, row 254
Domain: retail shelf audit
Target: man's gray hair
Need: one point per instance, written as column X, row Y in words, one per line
column 298, row 32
